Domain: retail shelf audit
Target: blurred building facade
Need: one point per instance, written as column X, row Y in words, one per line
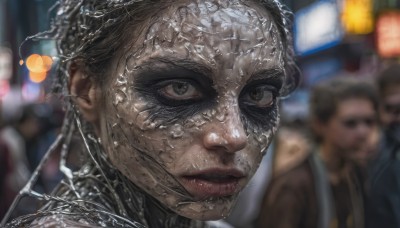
column 341, row 38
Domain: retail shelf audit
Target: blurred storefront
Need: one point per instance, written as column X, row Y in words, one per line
column 18, row 20
column 341, row 38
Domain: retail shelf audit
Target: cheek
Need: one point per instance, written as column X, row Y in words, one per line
column 134, row 136
column 260, row 134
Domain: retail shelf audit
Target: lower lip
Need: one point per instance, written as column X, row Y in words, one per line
column 202, row 188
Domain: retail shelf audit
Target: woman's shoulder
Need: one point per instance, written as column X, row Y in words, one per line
column 56, row 220
column 64, row 219
column 61, row 220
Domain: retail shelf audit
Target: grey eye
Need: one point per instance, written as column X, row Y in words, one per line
column 180, row 88
column 180, row 91
column 261, row 96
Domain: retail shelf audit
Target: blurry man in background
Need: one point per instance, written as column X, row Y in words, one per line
column 324, row 189
column 383, row 186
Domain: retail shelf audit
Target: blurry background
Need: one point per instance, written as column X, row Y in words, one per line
column 341, row 38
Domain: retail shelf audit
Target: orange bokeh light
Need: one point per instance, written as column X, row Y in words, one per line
column 37, row 77
column 38, row 66
column 37, row 63
column 388, row 34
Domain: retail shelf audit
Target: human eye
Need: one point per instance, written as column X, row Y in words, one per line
column 179, row 90
column 262, row 96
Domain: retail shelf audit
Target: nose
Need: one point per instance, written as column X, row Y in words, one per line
column 228, row 135
column 364, row 130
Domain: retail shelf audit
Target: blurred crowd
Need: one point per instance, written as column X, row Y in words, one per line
column 27, row 130
column 339, row 167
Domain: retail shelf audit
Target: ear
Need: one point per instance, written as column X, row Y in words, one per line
column 85, row 93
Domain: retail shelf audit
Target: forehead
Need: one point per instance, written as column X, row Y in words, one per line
column 219, row 16
column 355, row 106
column 225, row 34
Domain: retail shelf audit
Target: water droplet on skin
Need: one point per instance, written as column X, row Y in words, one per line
column 168, row 144
column 119, row 97
column 200, row 123
column 176, row 131
column 148, row 125
column 221, row 116
column 121, row 80
column 207, row 115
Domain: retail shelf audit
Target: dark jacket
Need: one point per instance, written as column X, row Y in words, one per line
column 303, row 198
column 383, row 188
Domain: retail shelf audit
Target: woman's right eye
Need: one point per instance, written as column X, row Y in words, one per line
column 179, row 91
column 262, row 97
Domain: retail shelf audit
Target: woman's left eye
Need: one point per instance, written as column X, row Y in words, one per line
column 180, row 90
column 262, row 97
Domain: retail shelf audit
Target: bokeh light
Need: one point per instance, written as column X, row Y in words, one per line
column 37, row 77
column 38, row 67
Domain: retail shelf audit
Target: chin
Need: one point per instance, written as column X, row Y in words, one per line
column 209, row 209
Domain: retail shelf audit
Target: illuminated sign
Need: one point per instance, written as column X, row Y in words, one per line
column 4, row 88
column 388, row 34
column 357, row 16
column 317, row 27
column 5, row 63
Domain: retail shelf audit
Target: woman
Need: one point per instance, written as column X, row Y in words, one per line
column 175, row 102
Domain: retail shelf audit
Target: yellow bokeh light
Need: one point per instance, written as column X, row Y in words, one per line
column 357, row 16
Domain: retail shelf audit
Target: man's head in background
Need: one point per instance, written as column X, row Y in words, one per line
column 343, row 115
column 389, row 91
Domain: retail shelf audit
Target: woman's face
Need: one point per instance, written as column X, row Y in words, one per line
column 192, row 105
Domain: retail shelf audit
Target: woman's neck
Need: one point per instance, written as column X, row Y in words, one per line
column 145, row 209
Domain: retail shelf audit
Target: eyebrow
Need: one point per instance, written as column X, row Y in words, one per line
column 176, row 63
column 273, row 75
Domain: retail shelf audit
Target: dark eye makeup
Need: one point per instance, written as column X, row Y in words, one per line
column 176, row 92
column 258, row 102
